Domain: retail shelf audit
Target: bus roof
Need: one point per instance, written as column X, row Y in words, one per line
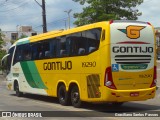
column 62, row 32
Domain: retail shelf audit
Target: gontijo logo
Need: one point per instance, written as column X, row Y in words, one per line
column 132, row 32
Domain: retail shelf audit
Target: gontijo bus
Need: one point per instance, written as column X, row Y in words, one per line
column 110, row 61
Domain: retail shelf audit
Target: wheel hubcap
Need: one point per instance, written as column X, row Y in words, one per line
column 75, row 97
column 62, row 95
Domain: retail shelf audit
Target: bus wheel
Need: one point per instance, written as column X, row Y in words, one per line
column 18, row 93
column 75, row 97
column 62, row 95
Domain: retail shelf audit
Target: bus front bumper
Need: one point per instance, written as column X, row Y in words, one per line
column 9, row 85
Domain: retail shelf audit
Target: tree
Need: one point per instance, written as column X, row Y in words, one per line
column 1, row 39
column 2, row 43
column 102, row 10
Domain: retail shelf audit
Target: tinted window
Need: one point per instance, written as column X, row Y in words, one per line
column 41, row 50
column 53, row 48
column 80, row 43
column 22, row 53
column 26, row 52
column 18, row 54
column 84, row 42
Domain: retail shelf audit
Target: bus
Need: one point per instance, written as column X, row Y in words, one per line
column 104, row 62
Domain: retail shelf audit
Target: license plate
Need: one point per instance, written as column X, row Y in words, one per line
column 134, row 94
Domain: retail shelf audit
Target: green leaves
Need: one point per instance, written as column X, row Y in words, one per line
column 103, row 10
column 1, row 39
column 2, row 52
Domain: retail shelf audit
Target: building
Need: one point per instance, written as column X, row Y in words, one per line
column 22, row 31
column 25, row 29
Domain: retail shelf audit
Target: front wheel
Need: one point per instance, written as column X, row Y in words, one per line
column 75, row 97
column 18, row 93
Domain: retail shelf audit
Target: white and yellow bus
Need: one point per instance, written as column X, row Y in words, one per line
column 111, row 61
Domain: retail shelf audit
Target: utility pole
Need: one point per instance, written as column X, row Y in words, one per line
column 43, row 15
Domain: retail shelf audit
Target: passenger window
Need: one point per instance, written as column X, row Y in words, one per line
column 26, row 52
column 46, row 49
column 76, row 44
column 53, row 47
column 41, row 50
column 62, row 47
column 18, row 54
column 22, row 53
column 85, row 42
column 72, row 44
column 35, row 52
column 93, row 39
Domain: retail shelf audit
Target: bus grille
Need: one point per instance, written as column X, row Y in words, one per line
column 133, row 59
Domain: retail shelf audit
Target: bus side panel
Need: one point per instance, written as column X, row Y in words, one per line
column 28, row 81
column 82, row 70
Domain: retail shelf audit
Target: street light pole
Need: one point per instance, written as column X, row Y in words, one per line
column 43, row 15
column 65, row 24
column 68, row 12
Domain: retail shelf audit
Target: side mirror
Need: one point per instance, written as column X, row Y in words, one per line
column 3, row 65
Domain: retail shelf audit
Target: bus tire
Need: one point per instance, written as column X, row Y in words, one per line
column 75, row 97
column 18, row 93
column 62, row 95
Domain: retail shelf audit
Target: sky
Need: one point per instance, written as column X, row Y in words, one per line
column 16, row 13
